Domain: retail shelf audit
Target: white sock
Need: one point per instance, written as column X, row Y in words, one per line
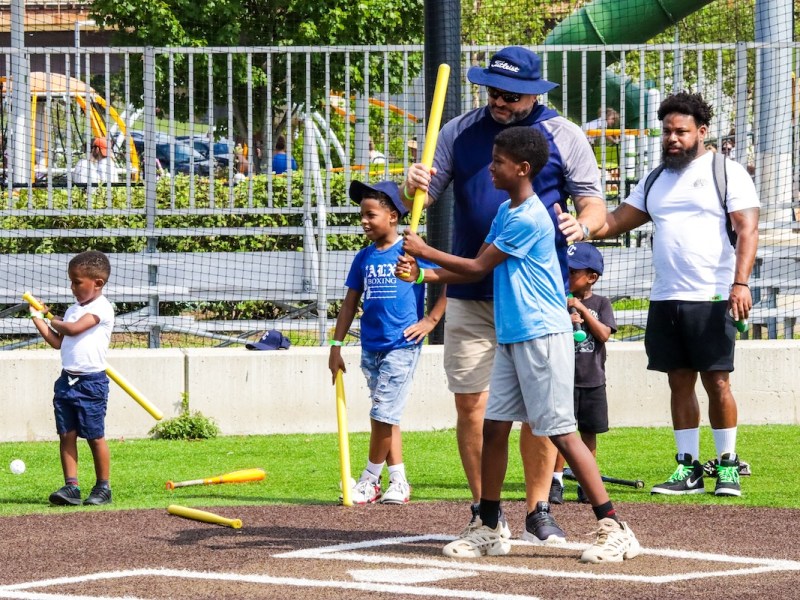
column 373, row 471
column 398, row 470
column 559, row 476
column 688, row 442
column 724, row 441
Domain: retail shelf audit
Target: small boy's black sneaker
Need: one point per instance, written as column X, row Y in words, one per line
column 66, row 496
column 710, row 468
column 556, row 495
column 541, row 528
column 99, row 495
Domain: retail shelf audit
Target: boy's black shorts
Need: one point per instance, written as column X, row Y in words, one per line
column 591, row 409
column 689, row 335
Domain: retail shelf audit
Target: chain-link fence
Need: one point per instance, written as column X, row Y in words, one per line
column 219, row 189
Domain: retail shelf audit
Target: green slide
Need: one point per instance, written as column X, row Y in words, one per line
column 608, row 22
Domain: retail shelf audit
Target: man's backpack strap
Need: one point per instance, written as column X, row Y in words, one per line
column 721, row 182
column 648, row 183
column 720, row 171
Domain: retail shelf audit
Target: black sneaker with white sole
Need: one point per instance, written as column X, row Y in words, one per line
column 68, row 495
column 687, row 478
column 710, row 468
column 99, row 495
column 728, row 476
column 541, row 528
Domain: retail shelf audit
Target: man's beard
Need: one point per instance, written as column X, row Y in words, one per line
column 678, row 162
column 515, row 117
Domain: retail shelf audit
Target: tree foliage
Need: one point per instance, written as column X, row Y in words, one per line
column 249, row 23
column 503, row 23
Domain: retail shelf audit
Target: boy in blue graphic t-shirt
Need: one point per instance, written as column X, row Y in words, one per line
column 393, row 326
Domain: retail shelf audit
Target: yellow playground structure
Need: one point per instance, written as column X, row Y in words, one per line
column 65, row 114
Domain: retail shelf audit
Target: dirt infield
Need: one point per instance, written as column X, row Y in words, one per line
column 392, row 552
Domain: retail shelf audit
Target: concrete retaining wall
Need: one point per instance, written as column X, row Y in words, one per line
column 291, row 392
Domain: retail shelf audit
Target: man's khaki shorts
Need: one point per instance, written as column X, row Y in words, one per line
column 469, row 345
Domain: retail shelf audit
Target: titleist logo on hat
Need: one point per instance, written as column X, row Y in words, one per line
column 506, row 66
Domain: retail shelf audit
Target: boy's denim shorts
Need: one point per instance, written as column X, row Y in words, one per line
column 80, row 403
column 389, row 376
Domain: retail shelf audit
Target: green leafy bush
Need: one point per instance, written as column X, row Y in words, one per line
column 186, row 426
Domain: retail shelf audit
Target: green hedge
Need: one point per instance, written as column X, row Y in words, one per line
column 38, row 199
column 222, row 217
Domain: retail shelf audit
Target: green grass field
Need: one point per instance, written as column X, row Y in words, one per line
column 304, row 469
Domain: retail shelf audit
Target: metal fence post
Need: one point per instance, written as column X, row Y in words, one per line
column 444, row 47
column 154, row 338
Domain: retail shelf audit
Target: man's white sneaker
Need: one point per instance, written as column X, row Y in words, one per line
column 480, row 541
column 398, row 492
column 614, row 542
column 475, row 522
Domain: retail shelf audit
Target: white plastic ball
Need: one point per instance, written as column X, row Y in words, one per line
column 17, row 467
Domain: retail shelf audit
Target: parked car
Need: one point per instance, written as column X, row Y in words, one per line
column 138, row 136
column 139, row 145
column 223, row 151
column 184, row 155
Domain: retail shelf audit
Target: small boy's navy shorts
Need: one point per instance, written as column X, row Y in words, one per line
column 80, row 403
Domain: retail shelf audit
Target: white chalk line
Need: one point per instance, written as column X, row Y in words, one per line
column 16, row 591
column 350, row 552
column 346, row 552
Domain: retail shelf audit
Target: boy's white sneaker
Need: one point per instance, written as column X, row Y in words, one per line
column 476, row 522
column 614, row 542
column 398, row 492
column 479, row 541
column 365, row 491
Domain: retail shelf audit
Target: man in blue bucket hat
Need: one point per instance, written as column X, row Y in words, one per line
column 513, row 81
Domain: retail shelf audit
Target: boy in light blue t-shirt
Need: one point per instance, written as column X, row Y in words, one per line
column 532, row 376
column 393, row 326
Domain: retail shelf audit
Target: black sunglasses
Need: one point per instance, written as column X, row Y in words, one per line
column 508, row 97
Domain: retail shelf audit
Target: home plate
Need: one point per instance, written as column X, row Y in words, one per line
column 408, row 575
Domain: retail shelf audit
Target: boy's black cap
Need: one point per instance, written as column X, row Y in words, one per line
column 359, row 189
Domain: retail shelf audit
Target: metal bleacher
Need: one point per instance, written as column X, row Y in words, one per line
column 775, row 285
column 300, row 282
column 296, row 281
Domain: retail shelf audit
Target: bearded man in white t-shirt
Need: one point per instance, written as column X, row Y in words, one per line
column 700, row 288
